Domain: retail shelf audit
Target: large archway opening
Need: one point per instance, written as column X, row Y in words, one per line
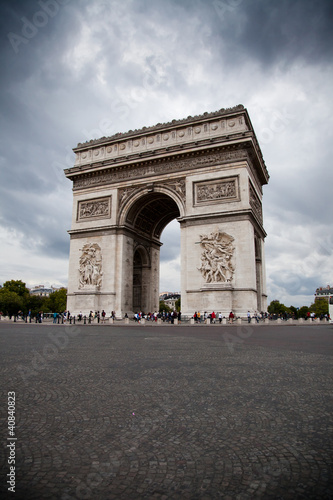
column 151, row 213
column 170, row 265
column 148, row 216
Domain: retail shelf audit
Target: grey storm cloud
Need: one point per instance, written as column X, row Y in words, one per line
column 78, row 70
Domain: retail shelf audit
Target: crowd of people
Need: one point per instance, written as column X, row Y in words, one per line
column 165, row 316
column 212, row 317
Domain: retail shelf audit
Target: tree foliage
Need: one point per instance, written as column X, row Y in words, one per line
column 10, row 302
column 16, row 286
column 275, row 307
column 164, row 307
column 56, row 302
column 320, row 307
column 15, row 297
column 303, row 311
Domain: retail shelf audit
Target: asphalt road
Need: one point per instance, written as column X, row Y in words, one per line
column 166, row 412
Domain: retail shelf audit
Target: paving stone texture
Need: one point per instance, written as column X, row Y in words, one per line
column 168, row 412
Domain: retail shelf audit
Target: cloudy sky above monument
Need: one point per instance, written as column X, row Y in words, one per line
column 78, row 70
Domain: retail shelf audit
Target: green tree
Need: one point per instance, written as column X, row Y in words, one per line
column 16, row 286
column 302, row 312
column 164, row 307
column 276, row 308
column 177, row 305
column 319, row 307
column 57, row 301
column 36, row 303
column 10, row 302
column 294, row 311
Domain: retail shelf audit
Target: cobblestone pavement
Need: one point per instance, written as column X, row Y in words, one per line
column 168, row 412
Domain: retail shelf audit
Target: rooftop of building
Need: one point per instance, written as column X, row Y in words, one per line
column 160, row 126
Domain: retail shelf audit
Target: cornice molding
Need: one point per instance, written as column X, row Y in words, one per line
column 223, row 112
column 148, row 169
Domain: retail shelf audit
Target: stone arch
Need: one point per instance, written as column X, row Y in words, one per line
column 205, row 171
column 150, row 209
column 143, row 217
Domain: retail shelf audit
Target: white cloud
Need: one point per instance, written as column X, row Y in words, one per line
column 102, row 67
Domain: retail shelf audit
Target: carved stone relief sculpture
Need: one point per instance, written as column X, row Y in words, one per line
column 97, row 208
column 216, row 258
column 216, row 191
column 90, row 266
column 179, row 186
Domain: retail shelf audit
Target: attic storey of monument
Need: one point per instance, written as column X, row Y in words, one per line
column 205, row 171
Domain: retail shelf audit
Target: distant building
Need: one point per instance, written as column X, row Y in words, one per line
column 324, row 294
column 170, row 298
column 41, row 291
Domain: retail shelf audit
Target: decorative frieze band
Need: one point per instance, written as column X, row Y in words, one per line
column 159, row 168
column 216, row 191
column 97, row 208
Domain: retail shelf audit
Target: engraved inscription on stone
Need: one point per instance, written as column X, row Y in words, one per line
column 98, row 208
column 90, row 269
column 216, row 191
column 216, row 258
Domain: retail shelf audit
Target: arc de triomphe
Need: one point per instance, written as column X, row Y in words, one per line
column 205, row 171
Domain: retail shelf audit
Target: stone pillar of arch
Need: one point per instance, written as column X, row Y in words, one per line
column 205, row 171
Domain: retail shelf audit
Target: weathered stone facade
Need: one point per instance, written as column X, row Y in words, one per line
column 207, row 171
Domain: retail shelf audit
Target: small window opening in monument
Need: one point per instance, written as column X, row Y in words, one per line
column 170, row 258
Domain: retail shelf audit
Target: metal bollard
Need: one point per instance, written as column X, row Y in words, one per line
column 84, row 320
column 74, row 320
column 70, row 320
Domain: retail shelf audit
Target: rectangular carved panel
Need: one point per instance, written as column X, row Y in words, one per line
column 97, row 208
column 216, row 191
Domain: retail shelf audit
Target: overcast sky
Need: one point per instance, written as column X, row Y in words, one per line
column 73, row 70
